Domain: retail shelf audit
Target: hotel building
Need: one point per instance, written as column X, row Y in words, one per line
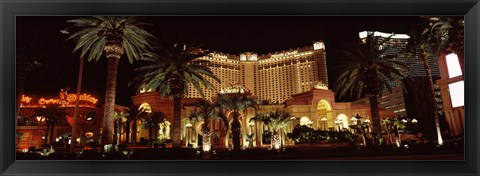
column 294, row 80
column 273, row 77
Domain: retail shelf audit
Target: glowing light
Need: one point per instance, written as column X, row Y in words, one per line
column 364, row 34
column 414, row 121
column 321, row 85
column 188, row 125
column 88, row 134
column 56, row 139
column 318, row 45
column 305, row 121
column 276, row 142
column 206, row 145
column 457, row 94
column 25, row 150
column 26, row 99
column 146, row 107
column 453, row 65
column 284, row 54
column 243, row 57
column 219, row 55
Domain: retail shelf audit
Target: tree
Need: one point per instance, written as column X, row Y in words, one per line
column 275, row 121
column 112, row 36
column 120, row 117
column 204, row 112
column 135, row 112
column 235, row 101
column 151, row 122
column 388, row 124
column 170, row 71
column 365, row 69
column 26, row 63
column 54, row 115
column 442, row 35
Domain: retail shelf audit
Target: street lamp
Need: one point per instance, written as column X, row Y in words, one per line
column 414, row 121
column 324, row 121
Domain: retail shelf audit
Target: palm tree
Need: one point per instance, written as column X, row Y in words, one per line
column 388, row 124
column 54, row 115
column 235, row 102
column 275, row 121
column 134, row 112
column 170, row 71
column 112, row 36
column 151, row 122
column 365, row 69
column 205, row 111
column 120, row 117
column 26, row 63
column 444, row 34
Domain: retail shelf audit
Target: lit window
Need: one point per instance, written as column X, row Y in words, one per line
column 453, row 65
column 457, row 93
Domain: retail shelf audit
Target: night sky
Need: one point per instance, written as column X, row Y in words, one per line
column 226, row 34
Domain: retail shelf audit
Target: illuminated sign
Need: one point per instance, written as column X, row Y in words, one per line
column 70, row 99
column 219, row 56
column 284, row 54
column 26, row 99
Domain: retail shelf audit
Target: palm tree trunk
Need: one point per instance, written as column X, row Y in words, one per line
column 47, row 134
column 375, row 117
column 428, row 72
column 127, row 132
column 177, row 124
column 236, row 131
column 107, row 137
column 150, row 131
column 134, row 132
column 51, row 132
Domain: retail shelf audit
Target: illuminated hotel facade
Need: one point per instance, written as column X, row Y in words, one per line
column 294, row 80
column 273, row 77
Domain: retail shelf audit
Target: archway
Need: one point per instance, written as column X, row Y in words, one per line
column 341, row 122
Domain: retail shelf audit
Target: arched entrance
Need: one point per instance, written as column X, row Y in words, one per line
column 324, row 112
column 341, row 122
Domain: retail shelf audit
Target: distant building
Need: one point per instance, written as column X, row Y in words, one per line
column 273, row 77
column 397, row 44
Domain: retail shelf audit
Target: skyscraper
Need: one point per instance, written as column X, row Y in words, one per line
column 397, row 45
column 274, row 76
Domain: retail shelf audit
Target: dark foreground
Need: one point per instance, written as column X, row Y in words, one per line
column 377, row 153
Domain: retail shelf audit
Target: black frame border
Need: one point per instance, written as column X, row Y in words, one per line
column 12, row 8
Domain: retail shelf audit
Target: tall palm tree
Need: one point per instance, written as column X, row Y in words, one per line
column 151, row 122
column 135, row 112
column 171, row 70
column 440, row 34
column 26, row 62
column 112, row 36
column 275, row 121
column 119, row 118
column 205, row 111
column 365, row 69
column 235, row 102
column 54, row 115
